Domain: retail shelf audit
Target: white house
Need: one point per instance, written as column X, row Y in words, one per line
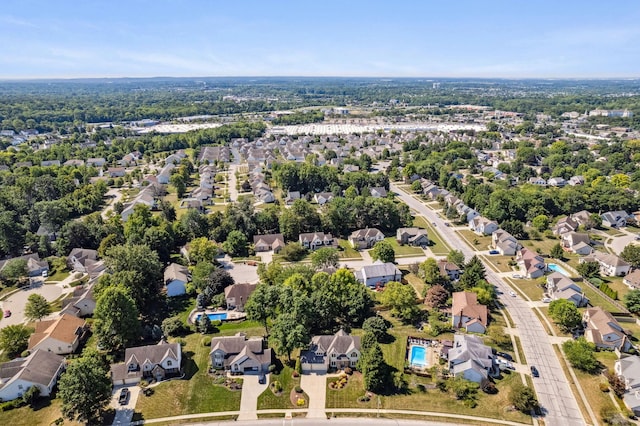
column 365, row 238
column 316, row 240
column 615, row 219
column 59, row 336
column 483, row 226
column 610, row 264
column 378, row 274
column 240, row 354
column 175, row 279
column 336, row 351
column 41, row 369
column 561, row 287
column 471, row 359
column 627, row 367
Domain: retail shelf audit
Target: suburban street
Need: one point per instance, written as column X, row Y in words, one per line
column 554, row 394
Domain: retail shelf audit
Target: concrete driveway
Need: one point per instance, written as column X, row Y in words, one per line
column 315, row 385
column 241, row 272
column 617, row 244
column 17, row 301
column 251, row 390
column 124, row 413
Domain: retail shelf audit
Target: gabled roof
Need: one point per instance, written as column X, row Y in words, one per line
column 66, row 328
column 176, row 272
column 234, row 345
column 153, row 354
column 268, row 239
column 379, row 269
column 40, row 367
column 339, row 343
column 466, row 304
column 365, row 233
column 240, row 291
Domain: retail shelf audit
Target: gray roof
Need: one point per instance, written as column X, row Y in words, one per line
column 176, row 272
column 379, row 269
column 235, row 347
column 467, row 347
column 39, row 367
column 242, row 290
column 340, row 343
column 153, row 353
column 630, row 369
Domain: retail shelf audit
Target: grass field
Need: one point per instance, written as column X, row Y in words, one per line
column 404, row 250
column 499, row 263
column 531, row 288
column 44, row 414
column 198, row 394
column 416, row 282
column 438, row 247
column 348, row 252
column 270, row 400
column 471, row 238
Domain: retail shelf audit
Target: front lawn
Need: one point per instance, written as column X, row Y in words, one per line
column 404, row 250
column 45, row 413
column 198, row 393
column 269, row 400
column 346, row 251
column 474, row 240
column 437, row 246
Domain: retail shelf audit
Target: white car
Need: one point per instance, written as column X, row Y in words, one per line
column 512, row 294
column 546, row 300
column 516, row 276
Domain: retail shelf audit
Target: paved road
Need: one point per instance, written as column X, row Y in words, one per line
column 315, row 385
column 251, row 390
column 552, row 387
column 116, row 193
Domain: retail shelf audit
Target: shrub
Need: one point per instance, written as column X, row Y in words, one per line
column 206, row 341
column 298, row 389
column 604, row 387
column 348, row 371
column 300, row 402
column 272, row 368
column 25, row 353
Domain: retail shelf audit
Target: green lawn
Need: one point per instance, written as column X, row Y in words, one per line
column 404, row 250
column 270, row 400
column 475, row 241
column 420, row 398
column 416, row 282
column 596, row 298
column 437, row 246
column 198, row 394
column 500, row 263
column 45, row 413
column 545, row 244
column 531, row 288
column 346, row 251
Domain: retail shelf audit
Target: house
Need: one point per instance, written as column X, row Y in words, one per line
column 240, row 354
column 577, row 242
column 60, row 336
column 576, row 180
column 115, row 172
column 316, row 240
column 449, row 269
column 378, row 192
column 615, row 219
column 268, row 242
column 483, row 226
column 562, row 287
column 236, row 295
column 471, row 359
column 378, row 274
column 35, row 266
column 557, row 181
column 291, row 197
column 627, row 367
column 467, row 313
column 82, row 260
column 40, row 368
column 322, row 197
column 583, row 218
column 412, row 236
column 157, row 362
column 337, row 351
column 564, row 225
column 632, row 279
column 265, row 196
column 81, row 304
column 365, row 238
column 602, row 329
column 96, row 162
column 531, row 263
column 610, row 264
column 505, row 243
column 537, row 181
column 176, row 278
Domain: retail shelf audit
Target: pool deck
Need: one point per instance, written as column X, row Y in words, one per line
column 432, row 353
column 231, row 315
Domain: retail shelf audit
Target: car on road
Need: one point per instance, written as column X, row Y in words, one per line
column 546, row 300
column 637, row 237
column 494, row 252
column 7, row 313
column 505, row 356
column 512, row 294
column 262, row 379
column 124, row 396
column 447, row 224
column 433, row 223
column 534, row 371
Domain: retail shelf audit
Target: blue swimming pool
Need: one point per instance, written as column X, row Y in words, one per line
column 221, row 316
column 557, row 268
column 418, row 356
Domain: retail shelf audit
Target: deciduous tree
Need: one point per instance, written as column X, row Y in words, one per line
column 581, row 355
column 116, row 323
column 85, row 390
column 436, row 296
column 14, row 339
column 565, row 314
column 401, row 299
column 523, row 398
column 325, row 257
column 37, row 307
column 383, row 251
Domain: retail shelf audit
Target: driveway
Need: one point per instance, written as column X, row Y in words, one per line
column 617, row 244
column 315, row 385
column 17, row 301
column 241, row 272
column 251, row 390
column 124, row 413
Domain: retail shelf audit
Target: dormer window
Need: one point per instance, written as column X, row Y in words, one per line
column 132, row 367
column 169, row 362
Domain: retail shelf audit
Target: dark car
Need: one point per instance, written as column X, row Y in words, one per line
column 534, row 372
column 505, row 356
column 124, row 396
column 494, row 252
column 262, row 379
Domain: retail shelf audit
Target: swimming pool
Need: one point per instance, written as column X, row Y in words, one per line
column 557, row 268
column 418, row 356
column 214, row 317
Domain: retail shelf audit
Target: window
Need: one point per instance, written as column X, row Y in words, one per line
column 20, row 387
column 333, row 355
column 354, row 354
column 169, row 362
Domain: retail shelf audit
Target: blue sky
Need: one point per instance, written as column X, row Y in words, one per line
column 481, row 38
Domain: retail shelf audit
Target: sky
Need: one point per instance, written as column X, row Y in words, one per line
column 372, row 38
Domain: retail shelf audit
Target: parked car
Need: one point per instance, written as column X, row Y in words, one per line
column 512, row 294
column 516, row 276
column 7, row 313
column 262, row 379
column 505, row 356
column 124, row 396
column 534, row 371
column 546, row 300
column 494, row 252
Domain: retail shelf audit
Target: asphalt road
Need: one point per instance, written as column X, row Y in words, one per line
column 554, row 393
